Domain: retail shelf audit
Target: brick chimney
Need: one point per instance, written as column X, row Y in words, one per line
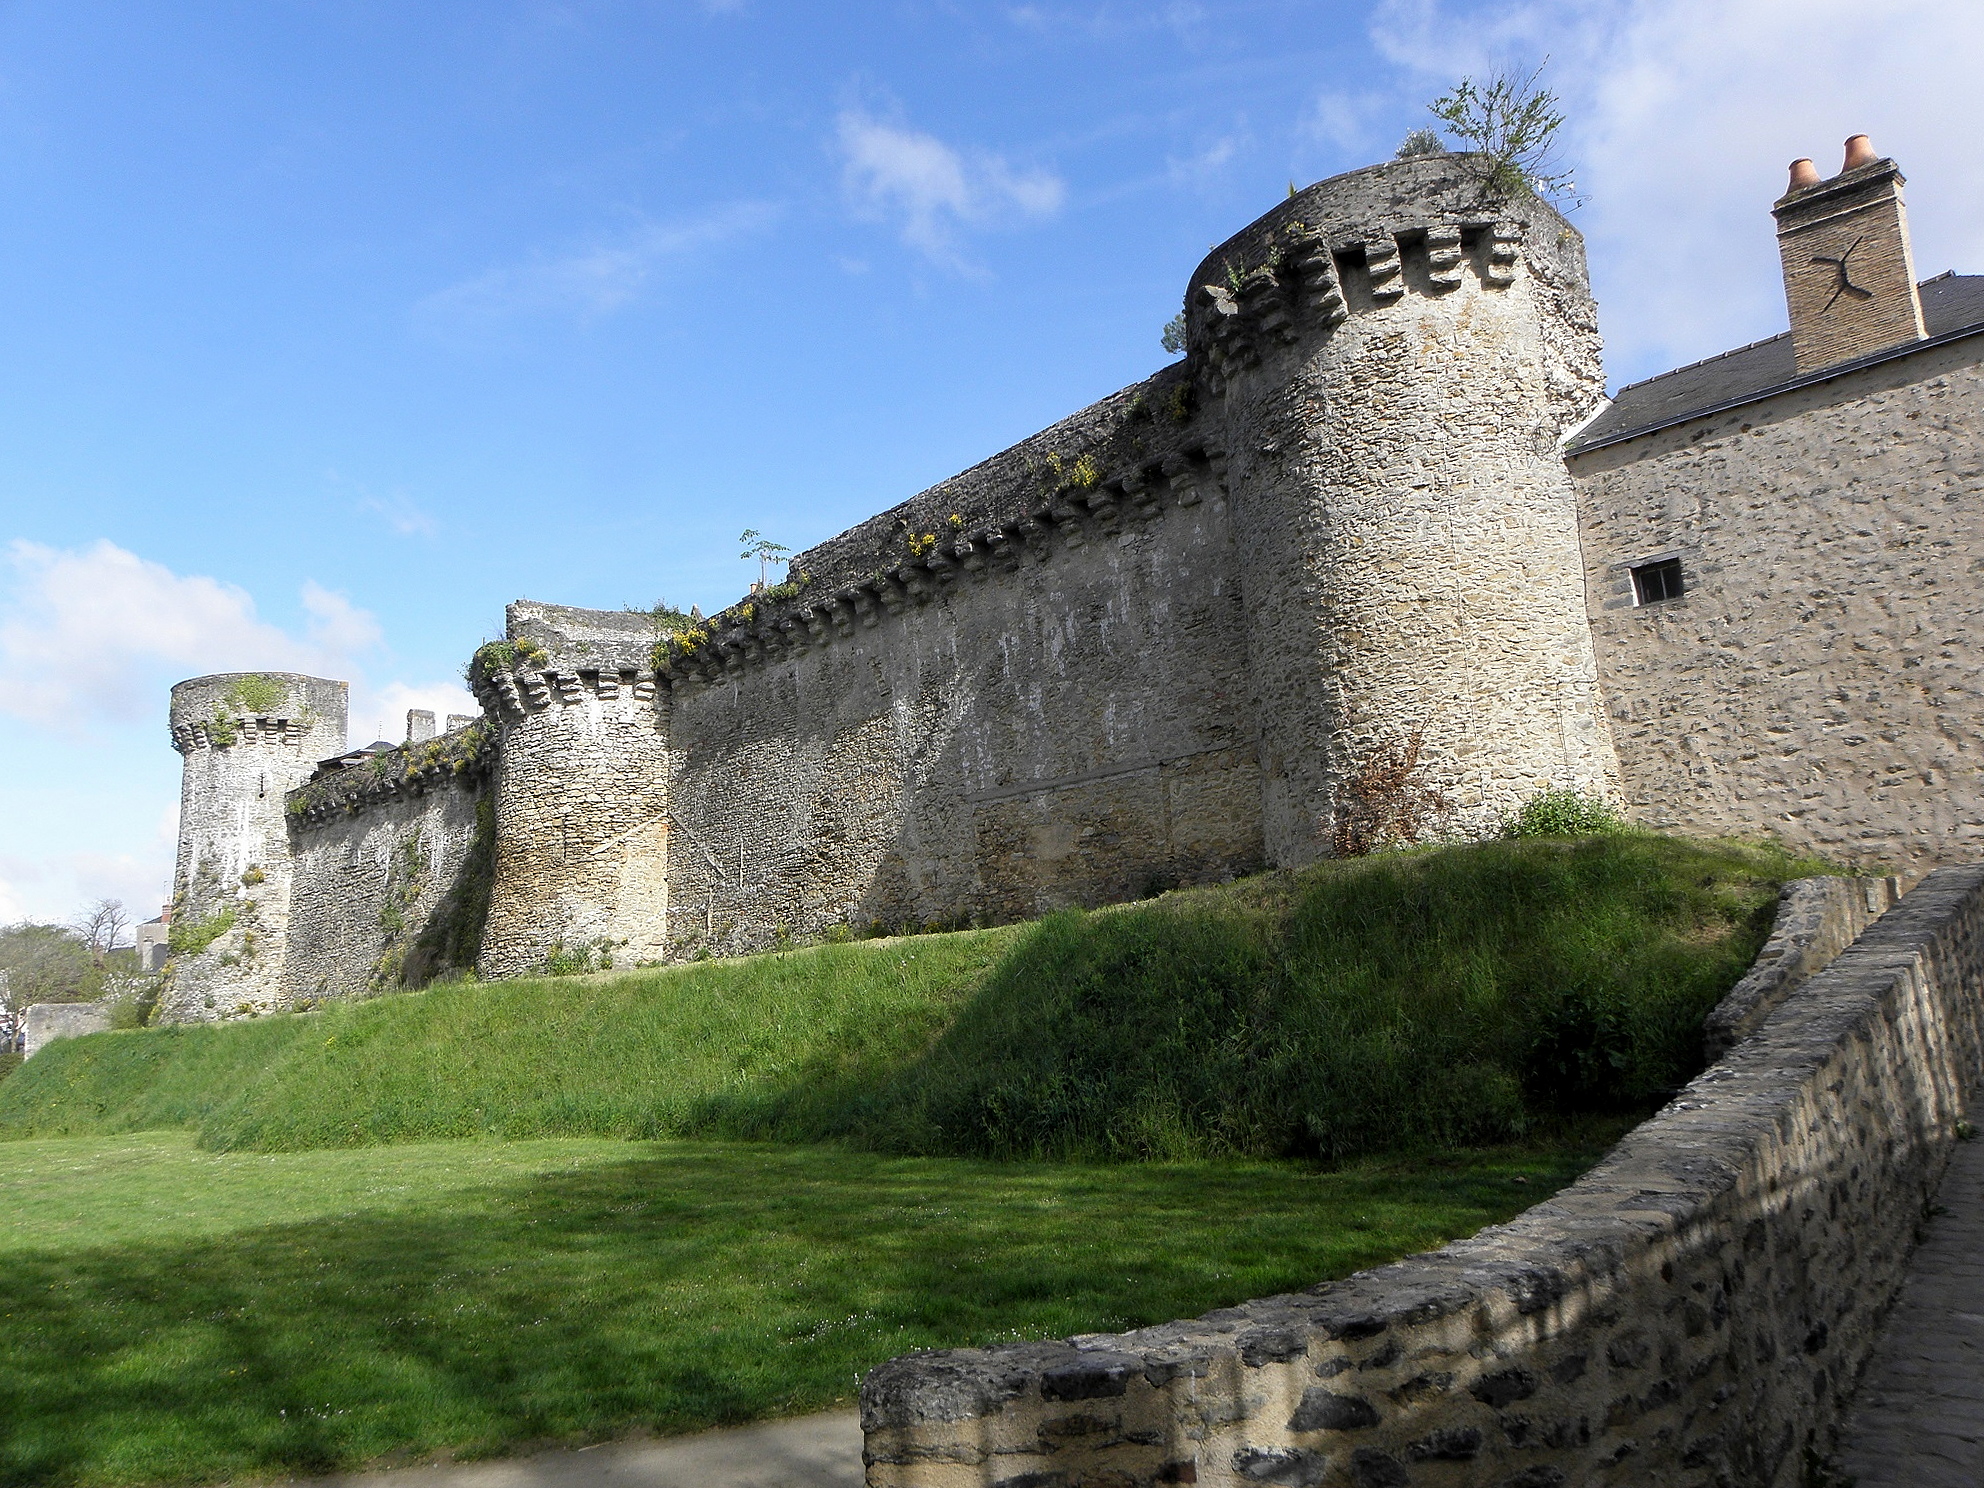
column 1849, row 274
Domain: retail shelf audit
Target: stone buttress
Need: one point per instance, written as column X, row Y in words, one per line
column 1397, row 355
column 581, row 788
column 247, row 738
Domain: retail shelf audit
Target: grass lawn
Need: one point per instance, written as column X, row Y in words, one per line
column 1455, row 996
column 175, row 1315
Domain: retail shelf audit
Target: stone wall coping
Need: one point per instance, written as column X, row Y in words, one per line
column 1817, row 918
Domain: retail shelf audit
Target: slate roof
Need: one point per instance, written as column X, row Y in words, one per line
column 1952, row 304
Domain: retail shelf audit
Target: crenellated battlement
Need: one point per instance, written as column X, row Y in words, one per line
column 512, row 694
column 1310, row 281
column 243, row 733
column 413, row 769
column 1086, row 505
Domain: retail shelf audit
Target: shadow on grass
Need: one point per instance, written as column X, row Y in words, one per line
column 688, row 1286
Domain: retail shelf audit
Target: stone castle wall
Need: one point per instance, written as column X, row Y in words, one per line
column 391, row 866
column 1061, row 722
column 1147, row 646
column 1818, row 679
column 1692, row 1312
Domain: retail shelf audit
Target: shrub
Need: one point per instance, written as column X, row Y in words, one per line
column 1385, row 802
column 1565, row 812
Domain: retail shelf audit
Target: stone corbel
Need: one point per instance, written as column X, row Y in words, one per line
column 1504, row 248
column 864, row 607
column 840, row 611
column 644, row 685
column 1142, row 494
column 1005, row 551
column 536, row 689
column 1443, row 259
column 1183, row 478
column 1104, row 504
column 940, row 564
column 892, row 594
column 969, row 550
column 915, row 580
column 1381, row 264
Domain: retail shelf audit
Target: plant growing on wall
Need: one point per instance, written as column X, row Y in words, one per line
column 1386, row 801
column 496, row 656
column 1511, row 123
column 1418, row 142
column 762, row 548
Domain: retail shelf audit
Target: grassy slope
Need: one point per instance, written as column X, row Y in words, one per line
column 1451, row 996
column 172, row 1315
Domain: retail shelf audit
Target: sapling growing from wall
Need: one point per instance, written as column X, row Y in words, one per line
column 762, row 548
column 1511, row 123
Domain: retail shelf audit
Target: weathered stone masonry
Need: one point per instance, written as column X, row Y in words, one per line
column 1692, row 1312
column 1144, row 647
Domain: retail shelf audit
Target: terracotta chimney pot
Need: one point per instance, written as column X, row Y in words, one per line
column 1859, row 152
column 1803, row 174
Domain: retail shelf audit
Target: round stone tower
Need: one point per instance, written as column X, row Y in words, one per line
column 581, row 789
column 247, row 737
column 1396, row 353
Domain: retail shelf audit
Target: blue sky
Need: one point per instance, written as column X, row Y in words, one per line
column 330, row 327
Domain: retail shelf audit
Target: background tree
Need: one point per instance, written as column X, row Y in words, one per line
column 762, row 548
column 1174, row 334
column 102, row 928
column 1511, row 121
column 48, row 963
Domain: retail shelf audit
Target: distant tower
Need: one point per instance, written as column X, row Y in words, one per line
column 1397, row 353
column 247, row 737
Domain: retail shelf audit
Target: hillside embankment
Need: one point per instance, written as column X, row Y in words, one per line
column 1443, row 997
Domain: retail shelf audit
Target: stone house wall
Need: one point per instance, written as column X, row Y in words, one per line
column 1819, row 677
column 1692, row 1312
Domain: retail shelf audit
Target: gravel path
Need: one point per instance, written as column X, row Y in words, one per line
column 1918, row 1419
column 822, row 1451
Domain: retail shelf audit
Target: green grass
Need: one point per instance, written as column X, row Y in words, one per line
column 1444, row 997
column 174, row 1315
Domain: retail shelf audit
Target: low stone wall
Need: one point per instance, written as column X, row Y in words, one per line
column 1693, row 1311
column 45, row 1022
column 1817, row 918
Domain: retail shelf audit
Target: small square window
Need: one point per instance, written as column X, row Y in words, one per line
column 1653, row 582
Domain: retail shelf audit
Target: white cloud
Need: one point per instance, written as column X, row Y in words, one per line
column 99, row 635
column 92, row 634
column 1206, row 164
column 1343, row 123
column 932, row 190
column 1683, row 117
column 592, row 280
column 400, row 514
